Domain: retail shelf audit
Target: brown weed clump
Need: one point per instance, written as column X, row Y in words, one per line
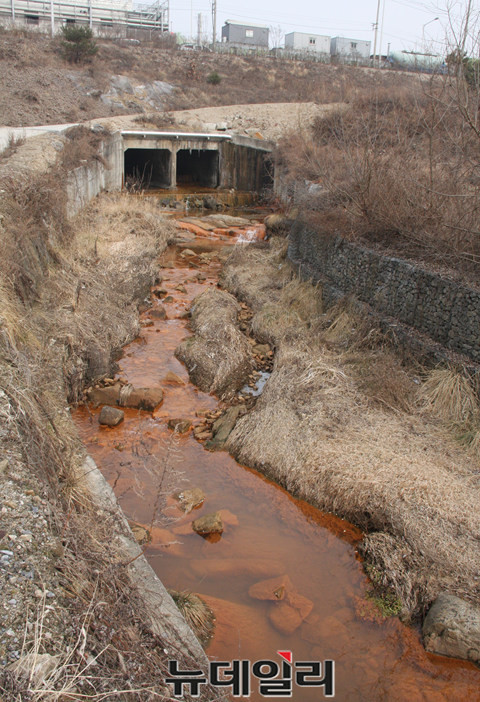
column 448, row 394
column 196, row 613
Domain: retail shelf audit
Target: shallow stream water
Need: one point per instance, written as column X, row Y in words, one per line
column 267, row 532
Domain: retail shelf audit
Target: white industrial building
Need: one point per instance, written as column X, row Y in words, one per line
column 300, row 41
column 108, row 17
column 350, row 49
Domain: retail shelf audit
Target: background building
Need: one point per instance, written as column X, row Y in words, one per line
column 350, row 49
column 108, row 17
column 245, row 35
column 299, row 41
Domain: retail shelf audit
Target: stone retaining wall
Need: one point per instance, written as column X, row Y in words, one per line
column 446, row 311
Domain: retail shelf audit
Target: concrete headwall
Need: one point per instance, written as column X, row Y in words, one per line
column 443, row 309
column 85, row 182
column 244, row 165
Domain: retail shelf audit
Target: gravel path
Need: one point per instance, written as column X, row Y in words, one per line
column 270, row 120
column 267, row 120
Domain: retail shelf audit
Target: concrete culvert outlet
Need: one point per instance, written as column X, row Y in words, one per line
column 198, row 167
column 149, row 168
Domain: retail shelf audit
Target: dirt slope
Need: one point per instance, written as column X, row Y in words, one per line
column 37, row 86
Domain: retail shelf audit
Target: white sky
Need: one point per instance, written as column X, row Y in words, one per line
column 407, row 24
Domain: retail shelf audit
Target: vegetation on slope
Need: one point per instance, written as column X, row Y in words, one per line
column 39, row 86
column 399, row 169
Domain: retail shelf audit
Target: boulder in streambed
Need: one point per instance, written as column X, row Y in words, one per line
column 222, row 427
column 105, row 396
column 288, row 614
column 189, row 499
column 218, row 357
column 126, row 396
column 272, row 589
column 179, row 426
column 209, row 524
column 290, row 608
column 284, row 618
column 141, row 398
column 452, row 628
column 110, row 416
column 173, row 378
column 210, row 203
column 158, row 312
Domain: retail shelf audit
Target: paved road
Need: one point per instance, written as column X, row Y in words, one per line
column 26, row 132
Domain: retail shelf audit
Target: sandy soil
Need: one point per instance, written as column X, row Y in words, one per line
column 270, row 121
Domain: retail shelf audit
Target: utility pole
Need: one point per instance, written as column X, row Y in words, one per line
column 376, row 32
column 214, row 17
column 52, row 19
column 381, row 34
column 199, row 29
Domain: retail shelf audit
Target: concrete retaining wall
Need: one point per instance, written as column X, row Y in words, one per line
column 159, row 612
column 444, row 310
column 86, row 182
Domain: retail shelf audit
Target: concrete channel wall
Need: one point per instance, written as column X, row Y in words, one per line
column 86, row 182
column 443, row 309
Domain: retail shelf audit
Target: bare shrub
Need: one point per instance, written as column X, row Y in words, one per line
column 399, row 169
column 13, row 143
column 159, row 120
column 82, row 146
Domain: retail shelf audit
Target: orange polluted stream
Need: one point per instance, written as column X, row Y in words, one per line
column 275, row 534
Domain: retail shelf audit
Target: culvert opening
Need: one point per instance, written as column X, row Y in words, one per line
column 147, row 168
column 197, row 167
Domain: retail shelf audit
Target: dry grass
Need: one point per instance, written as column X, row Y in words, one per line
column 448, row 394
column 163, row 121
column 26, row 59
column 111, row 258
column 297, row 305
column 316, row 430
column 82, row 145
column 55, row 336
column 218, row 357
column 13, row 144
column 196, row 613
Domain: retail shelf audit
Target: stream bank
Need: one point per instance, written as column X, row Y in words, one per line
column 269, row 539
column 73, row 621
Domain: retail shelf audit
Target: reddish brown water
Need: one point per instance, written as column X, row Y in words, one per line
column 275, row 533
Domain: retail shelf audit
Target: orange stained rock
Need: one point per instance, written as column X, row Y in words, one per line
column 193, row 228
